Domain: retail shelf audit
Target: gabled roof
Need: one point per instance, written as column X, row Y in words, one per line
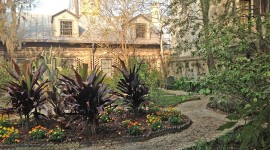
column 65, row 10
column 138, row 16
column 38, row 28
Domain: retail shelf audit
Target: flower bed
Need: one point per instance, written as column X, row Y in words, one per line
column 186, row 123
column 119, row 128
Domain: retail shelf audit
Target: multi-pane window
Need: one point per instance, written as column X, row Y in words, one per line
column 66, row 28
column 69, row 62
column 106, row 66
column 246, row 10
column 265, row 6
column 140, row 30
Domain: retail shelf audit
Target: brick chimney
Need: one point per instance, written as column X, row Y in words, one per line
column 74, row 7
column 156, row 14
column 76, row 3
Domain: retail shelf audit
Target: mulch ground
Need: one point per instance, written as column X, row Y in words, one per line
column 76, row 132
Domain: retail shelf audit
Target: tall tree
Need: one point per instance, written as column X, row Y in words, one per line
column 11, row 13
column 237, row 38
column 115, row 23
column 190, row 20
column 112, row 22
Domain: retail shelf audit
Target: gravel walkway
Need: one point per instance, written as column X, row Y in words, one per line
column 204, row 127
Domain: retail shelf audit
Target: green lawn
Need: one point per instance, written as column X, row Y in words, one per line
column 164, row 99
column 167, row 101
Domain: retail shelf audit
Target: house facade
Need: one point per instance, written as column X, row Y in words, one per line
column 86, row 36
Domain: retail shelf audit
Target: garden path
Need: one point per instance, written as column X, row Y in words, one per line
column 204, row 127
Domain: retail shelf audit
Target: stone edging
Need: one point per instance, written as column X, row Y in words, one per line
column 157, row 133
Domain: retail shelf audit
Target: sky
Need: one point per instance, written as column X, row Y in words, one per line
column 50, row 6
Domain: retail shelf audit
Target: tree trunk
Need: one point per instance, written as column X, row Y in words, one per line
column 205, row 6
column 259, row 29
column 162, row 59
column 27, row 121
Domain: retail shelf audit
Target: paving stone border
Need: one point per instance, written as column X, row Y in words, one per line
column 158, row 133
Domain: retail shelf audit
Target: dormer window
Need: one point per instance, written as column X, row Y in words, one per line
column 66, row 28
column 140, row 30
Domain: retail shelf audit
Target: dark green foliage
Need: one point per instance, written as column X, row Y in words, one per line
column 231, row 140
column 55, row 67
column 86, row 98
column 191, row 85
column 170, row 82
column 150, row 76
column 220, row 103
column 113, row 81
column 241, row 71
column 175, row 120
column 163, row 99
column 130, row 87
column 227, row 125
column 26, row 92
column 4, row 75
column 246, row 81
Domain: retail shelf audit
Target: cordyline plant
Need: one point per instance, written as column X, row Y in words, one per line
column 26, row 92
column 54, row 67
column 86, row 98
column 132, row 90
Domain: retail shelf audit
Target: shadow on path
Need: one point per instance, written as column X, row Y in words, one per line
column 204, row 127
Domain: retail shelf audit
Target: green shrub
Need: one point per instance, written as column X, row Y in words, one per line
column 150, row 76
column 153, row 108
column 88, row 97
column 27, row 91
column 171, row 112
column 38, row 132
column 134, row 128
column 56, row 135
column 9, row 135
column 131, row 88
column 247, row 82
column 5, row 122
column 105, row 117
column 154, row 122
column 113, row 81
column 4, row 75
column 125, row 123
column 187, row 84
column 175, row 120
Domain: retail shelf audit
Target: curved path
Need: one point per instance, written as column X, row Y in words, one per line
column 204, row 127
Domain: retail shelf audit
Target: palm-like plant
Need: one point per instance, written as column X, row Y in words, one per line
column 132, row 90
column 26, row 93
column 86, row 98
column 54, row 67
